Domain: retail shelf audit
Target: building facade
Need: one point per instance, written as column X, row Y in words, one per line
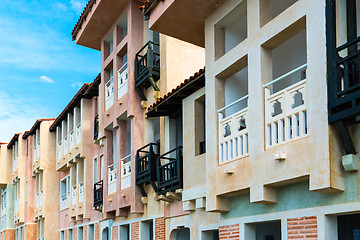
column 260, row 144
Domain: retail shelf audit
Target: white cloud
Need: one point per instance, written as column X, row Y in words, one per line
column 18, row 115
column 77, row 85
column 78, row 5
column 46, row 79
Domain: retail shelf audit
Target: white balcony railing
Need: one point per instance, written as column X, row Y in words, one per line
column 233, row 133
column 59, row 150
column 38, row 151
column 41, row 198
column 72, row 139
column 109, row 93
column 81, row 192
column 3, row 223
column 3, row 208
column 122, row 80
column 64, row 201
column 126, row 172
column 285, row 111
column 74, row 195
column 112, row 176
column 66, row 145
column 78, row 132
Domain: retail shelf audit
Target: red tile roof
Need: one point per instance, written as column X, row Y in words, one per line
column 13, row 140
column 35, row 127
column 82, row 18
column 174, row 90
column 88, row 90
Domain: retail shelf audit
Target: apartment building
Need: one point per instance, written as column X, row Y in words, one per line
column 7, row 227
column 138, row 66
column 41, row 184
column 77, row 166
column 281, row 87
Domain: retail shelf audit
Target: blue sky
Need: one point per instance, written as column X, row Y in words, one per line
column 41, row 68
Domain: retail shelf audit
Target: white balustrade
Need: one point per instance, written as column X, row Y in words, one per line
column 285, row 112
column 126, row 172
column 72, row 139
column 81, row 192
column 59, row 150
column 112, row 178
column 66, row 145
column 78, row 132
column 233, row 136
column 109, row 93
column 122, row 80
column 64, row 201
column 74, row 195
column 41, row 198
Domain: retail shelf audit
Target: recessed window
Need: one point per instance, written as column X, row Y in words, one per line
column 108, row 45
column 121, row 29
column 199, row 106
column 210, row 235
column 269, row 9
column 147, row 230
column 349, row 227
column 231, row 30
column 264, row 231
column 124, row 232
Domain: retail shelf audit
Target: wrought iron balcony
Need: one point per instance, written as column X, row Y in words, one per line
column 147, row 67
column 98, row 195
column 170, row 171
column 96, row 127
column 146, row 158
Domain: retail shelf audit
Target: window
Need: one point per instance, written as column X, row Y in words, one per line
column 349, row 227
column 108, row 45
column 121, row 29
column 124, row 232
column 231, row 30
column 147, row 230
column 265, row 230
column 95, row 170
column 62, row 235
column 91, row 232
column 200, row 125
column 64, row 192
column 70, row 234
column 80, row 233
column 210, row 235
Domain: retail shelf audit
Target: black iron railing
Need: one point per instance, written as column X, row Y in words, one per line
column 98, row 194
column 146, row 163
column 170, row 171
column 96, row 127
column 147, row 67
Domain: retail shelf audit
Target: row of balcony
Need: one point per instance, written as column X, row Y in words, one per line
column 77, row 196
column 68, row 143
column 122, row 86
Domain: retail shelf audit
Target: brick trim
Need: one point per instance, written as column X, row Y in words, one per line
column 135, row 231
column 160, row 228
column 302, row 228
column 229, row 232
column 115, row 233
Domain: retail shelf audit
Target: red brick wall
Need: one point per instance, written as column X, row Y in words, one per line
column 66, row 234
column 10, row 234
column 97, row 231
column 160, row 228
column 135, row 231
column 115, row 233
column 302, row 228
column 229, row 232
column 75, row 233
column 85, row 232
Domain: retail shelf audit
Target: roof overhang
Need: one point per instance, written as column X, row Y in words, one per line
column 13, row 140
column 171, row 103
column 183, row 19
column 96, row 20
column 36, row 126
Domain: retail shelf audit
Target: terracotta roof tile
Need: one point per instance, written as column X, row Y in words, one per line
column 13, row 140
column 186, row 81
column 35, row 127
column 82, row 18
